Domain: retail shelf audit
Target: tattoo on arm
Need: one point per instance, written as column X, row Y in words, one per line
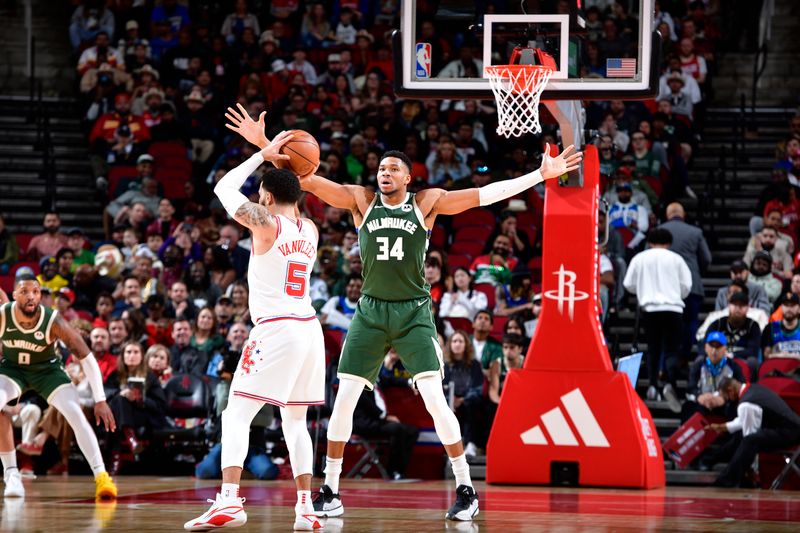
column 252, row 214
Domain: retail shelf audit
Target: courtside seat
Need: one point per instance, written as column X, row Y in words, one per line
column 471, row 248
column 370, row 458
column 474, row 217
column 188, row 398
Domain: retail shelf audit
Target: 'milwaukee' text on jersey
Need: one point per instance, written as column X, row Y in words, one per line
column 392, row 223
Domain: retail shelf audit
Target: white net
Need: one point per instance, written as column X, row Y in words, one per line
column 517, row 89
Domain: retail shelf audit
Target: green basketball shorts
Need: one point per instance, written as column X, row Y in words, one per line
column 377, row 326
column 44, row 378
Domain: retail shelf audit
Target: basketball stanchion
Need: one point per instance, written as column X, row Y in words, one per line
column 567, row 417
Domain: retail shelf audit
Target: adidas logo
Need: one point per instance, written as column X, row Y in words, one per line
column 559, row 429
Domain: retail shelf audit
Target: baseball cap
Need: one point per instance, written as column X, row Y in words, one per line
column 334, row 58
column 144, row 158
column 278, row 64
column 624, row 187
column 791, row 298
column 225, row 298
column 66, row 292
column 49, row 259
column 131, row 25
column 739, row 297
column 75, row 231
column 738, row 266
column 716, row 336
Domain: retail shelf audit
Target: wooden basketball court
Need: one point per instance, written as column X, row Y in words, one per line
column 164, row 504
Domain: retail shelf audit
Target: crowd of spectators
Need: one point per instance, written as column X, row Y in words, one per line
column 164, row 291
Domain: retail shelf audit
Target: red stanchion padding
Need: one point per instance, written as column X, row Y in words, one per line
column 593, row 420
column 567, row 416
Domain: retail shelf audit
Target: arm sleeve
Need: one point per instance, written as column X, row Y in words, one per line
column 95, row 377
column 227, row 189
column 501, row 190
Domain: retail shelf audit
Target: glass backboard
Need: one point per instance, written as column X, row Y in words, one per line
column 603, row 49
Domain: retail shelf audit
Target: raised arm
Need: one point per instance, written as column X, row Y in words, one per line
column 249, row 214
column 441, row 202
column 78, row 348
column 352, row 197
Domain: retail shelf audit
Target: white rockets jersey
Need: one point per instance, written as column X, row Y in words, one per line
column 279, row 279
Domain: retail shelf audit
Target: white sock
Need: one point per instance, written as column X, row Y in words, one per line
column 461, row 470
column 230, row 491
column 333, row 469
column 9, row 460
column 303, row 501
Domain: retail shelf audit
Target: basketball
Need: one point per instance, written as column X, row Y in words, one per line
column 303, row 152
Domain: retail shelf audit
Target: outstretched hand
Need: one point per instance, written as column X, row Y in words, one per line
column 241, row 123
column 272, row 152
column 104, row 416
column 553, row 167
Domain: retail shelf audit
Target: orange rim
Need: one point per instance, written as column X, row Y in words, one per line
column 524, row 76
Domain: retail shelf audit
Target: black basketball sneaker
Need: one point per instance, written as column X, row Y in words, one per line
column 326, row 503
column 466, row 506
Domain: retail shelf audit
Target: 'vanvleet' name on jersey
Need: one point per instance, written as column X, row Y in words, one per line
column 391, row 223
column 25, row 345
column 298, row 247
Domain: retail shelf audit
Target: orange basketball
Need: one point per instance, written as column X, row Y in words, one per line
column 303, row 151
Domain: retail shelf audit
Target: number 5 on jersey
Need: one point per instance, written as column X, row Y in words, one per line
column 296, row 279
column 384, row 252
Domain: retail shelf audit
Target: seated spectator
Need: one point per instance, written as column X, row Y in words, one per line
column 117, row 334
column 743, row 334
column 761, row 270
column 198, row 282
column 393, row 373
column 647, row 163
column 692, row 64
column 463, row 301
column 626, row 214
column 681, row 102
column 705, row 376
column 237, row 21
column 495, row 267
column 518, row 326
column 371, row 419
column 76, row 241
column 165, row 224
column 205, row 336
column 47, row 243
column 753, row 313
column 179, row 305
column 766, row 423
column 521, row 248
column 185, row 358
column 463, row 381
column 337, row 312
column 64, row 258
column 433, row 277
column 609, row 127
column 102, row 136
column 445, row 165
column 9, row 249
column 144, row 169
column 65, row 297
column 229, row 240
column 100, row 53
column 49, row 277
column 513, row 357
column 240, row 293
column 130, row 297
column 789, row 206
column 782, row 339
column 516, row 297
column 219, row 266
column 127, row 44
column 767, row 240
column 758, row 297
column 120, row 210
column 157, row 358
column 486, row 348
column 139, row 403
column 88, row 21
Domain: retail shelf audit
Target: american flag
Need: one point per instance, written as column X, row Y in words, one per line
column 620, row 67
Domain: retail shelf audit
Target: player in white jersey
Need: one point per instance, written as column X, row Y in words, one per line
column 283, row 361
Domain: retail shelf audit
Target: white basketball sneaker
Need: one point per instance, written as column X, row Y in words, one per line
column 14, row 487
column 327, row 504
column 305, row 519
column 466, row 506
column 221, row 514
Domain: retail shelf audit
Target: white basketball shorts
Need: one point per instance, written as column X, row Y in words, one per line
column 283, row 363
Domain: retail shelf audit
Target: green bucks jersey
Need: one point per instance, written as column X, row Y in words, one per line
column 27, row 346
column 393, row 241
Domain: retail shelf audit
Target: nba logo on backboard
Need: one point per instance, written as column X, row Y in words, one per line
column 423, row 60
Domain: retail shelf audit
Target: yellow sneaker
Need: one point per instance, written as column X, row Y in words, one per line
column 104, row 488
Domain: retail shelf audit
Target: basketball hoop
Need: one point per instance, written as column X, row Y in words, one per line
column 517, row 89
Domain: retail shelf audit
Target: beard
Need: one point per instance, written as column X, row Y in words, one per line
column 28, row 314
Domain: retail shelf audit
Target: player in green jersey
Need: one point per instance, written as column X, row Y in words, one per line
column 395, row 307
column 29, row 332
